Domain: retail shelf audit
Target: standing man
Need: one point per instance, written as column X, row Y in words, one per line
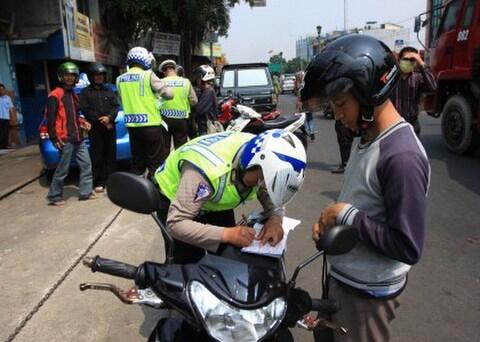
column 8, row 115
column 384, row 195
column 415, row 80
column 207, row 107
column 65, row 131
column 345, row 140
column 137, row 89
column 100, row 107
column 176, row 112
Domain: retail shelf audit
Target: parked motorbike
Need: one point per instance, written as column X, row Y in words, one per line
column 228, row 296
column 228, row 111
column 246, row 119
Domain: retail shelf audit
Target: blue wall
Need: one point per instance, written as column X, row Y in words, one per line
column 35, row 55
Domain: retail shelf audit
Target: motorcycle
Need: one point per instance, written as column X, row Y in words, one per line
column 228, row 111
column 246, row 119
column 228, row 296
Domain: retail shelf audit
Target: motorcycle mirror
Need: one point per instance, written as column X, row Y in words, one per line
column 418, row 24
column 133, row 192
column 338, row 240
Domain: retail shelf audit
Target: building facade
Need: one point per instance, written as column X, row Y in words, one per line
column 35, row 45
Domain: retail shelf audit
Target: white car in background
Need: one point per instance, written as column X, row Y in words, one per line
column 288, row 84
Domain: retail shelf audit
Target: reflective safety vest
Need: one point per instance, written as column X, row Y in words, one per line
column 212, row 155
column 138, row 100
column 179, row 106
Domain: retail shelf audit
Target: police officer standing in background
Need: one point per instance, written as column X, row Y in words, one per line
column 176, row 112
column 137, row 89
column 100, row 107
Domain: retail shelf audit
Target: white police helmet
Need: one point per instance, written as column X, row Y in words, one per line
column 140, row 55
column 282, row 158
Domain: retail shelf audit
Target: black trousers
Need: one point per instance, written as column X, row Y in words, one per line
column 185, row 253
column 4, row 132
column 103, row 152
column 192, row 129
column 344, row 139
column 147, row 147
column 178, row 130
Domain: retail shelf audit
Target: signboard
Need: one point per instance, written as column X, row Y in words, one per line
column 166, row 43
column 259, row 3
column 106, row 51
column 204, row 50
column 211, row 37
column 79, row 34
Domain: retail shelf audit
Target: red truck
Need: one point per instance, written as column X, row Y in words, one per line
column 453, row 47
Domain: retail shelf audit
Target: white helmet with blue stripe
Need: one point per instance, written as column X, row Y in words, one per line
column 282, row 158
column 140, row 55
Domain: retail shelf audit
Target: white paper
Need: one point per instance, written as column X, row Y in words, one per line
column 273, row 251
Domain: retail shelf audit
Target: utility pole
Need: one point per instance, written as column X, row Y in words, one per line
column 345, row 15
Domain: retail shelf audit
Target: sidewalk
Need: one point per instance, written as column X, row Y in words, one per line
column 19, row 167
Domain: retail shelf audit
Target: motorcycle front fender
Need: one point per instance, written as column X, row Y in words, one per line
column 177, row 330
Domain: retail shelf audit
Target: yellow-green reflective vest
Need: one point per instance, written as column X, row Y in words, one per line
column 138, row 100
column 179, row 106
column 212, row 155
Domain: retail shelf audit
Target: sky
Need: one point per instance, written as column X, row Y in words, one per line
column 256, row 31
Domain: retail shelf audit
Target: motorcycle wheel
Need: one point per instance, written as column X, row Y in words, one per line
column 176, row 330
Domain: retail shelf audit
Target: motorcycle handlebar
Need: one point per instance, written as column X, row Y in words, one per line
column 327, row 306
column 112, row 267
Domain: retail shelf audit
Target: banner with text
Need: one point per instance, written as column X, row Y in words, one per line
column 166, row 43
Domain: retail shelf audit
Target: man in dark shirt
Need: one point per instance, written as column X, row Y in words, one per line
column 415, row 80
column 65, row 131
column 100, row 106
column 206, row 108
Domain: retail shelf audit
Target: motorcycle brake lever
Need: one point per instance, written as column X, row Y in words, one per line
column 309, row 323
column 132, row 296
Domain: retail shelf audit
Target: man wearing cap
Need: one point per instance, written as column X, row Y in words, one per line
column 176, row 112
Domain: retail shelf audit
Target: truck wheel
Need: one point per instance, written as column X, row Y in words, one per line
column 457, row 126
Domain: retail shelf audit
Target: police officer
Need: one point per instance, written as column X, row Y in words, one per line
column 176, row 112
column 137, row 89
column 99, row 105
column 203, row 181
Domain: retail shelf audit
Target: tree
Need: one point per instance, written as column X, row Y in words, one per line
column 278, row 59
column 132, row 20
column 295, row 65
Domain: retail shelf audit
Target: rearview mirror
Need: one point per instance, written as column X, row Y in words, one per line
column 418, row 24
column 338, row 240
column 133, row 192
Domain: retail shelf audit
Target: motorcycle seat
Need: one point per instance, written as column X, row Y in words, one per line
column 280, row 122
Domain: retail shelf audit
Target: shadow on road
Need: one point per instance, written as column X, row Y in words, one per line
column 333, row 195
column 318, row 165
column 462, row 169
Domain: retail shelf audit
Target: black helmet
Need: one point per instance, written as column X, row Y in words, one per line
column 96, row 68
column 180, row 71
column 356, row 62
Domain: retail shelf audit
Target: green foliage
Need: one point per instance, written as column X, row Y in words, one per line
column 287, row 67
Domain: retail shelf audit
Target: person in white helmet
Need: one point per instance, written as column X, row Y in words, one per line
column 139, row 89
column 203, row 181
column 176, row 112
column 207, row 106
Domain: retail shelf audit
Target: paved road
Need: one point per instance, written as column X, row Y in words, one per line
column 40, row 247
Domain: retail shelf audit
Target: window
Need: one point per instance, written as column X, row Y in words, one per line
column 252, row 77
column 450, row 16
column 467, row 18
column 228, row 79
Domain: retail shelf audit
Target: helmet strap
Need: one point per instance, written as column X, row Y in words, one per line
column 365, row 120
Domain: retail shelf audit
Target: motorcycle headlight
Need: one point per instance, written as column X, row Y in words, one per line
column 227, row 323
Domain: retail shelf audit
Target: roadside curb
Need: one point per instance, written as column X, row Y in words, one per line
column 14, row 188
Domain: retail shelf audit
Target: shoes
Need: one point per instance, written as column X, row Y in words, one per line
column 312, row 136
column 60, row 203
column 339, row 170
column 92, row 196
column 99, row 189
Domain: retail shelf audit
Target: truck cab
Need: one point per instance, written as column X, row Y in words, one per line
column 454, row 57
